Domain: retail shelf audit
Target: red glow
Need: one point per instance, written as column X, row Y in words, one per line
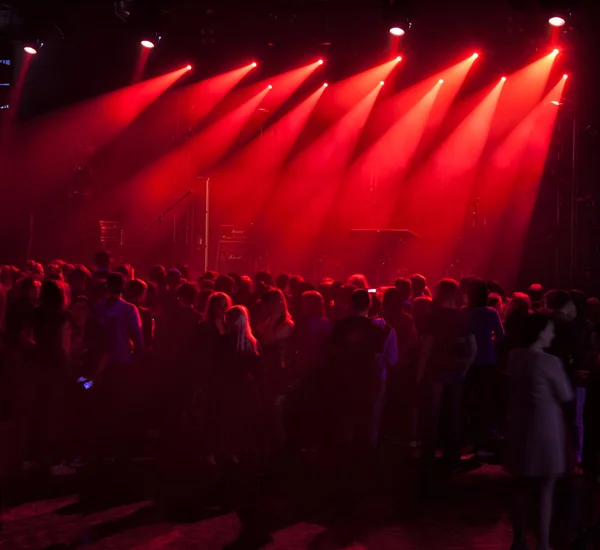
column 565, row 76
column 503, row 79
column 382, row 83
column 325, row 85
column 320, row 62
column 555, row 51
column 147, row 44
column 475, row 56
column 30, row 50
column 254, row 64
column 556, row 21
column 398, row 58
column 270, row 87
column 189, row 67
column 441, row 80
column 397, row 31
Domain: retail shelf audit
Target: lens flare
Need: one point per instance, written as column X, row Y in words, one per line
column 397, row 31
column 147, row 44
column 556, row 21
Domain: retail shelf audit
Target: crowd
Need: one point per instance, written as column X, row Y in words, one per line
column 99, row 364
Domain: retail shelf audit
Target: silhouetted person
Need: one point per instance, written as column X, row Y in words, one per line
column 536, row 295
column 483, row 377
column 448, row 350
column 102, row 261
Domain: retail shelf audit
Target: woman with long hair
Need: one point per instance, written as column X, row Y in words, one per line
column 274, row 334
column 235, row 410
column 539, row 392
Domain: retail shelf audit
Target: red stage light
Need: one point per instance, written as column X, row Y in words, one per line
column 398, row 58
column 441, row 80
column 475, row 56
column 270, row 87
column 320, row 62
column 556, row 21
column 555, row 51
column 30, row 50
column 147, row 44
column 503, row 79
column 397, row 31
column 254, row 64
column 189, row 67
column 554, row 102
column 325, row 85
column 382, row 83
column 565, row 76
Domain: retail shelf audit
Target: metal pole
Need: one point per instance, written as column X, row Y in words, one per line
column 206, row 224
column 573, row 205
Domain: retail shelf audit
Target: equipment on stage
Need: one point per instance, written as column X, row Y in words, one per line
column 111, row 234
column 236, row 251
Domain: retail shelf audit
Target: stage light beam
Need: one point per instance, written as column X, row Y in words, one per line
column 555, row 51
column 475, row 55
column 30, row 50
column 147, row 44
column 556, row 21
column 397, row 31
column 254, row 64
column 441, row 80
column 565, row 76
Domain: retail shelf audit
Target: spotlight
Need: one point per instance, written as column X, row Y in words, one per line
column 325, row 85
column 565, row 76
column 32, row 47
column 30, row 50
column 147, row 44
column 503, row 79
column 441, row 80
column 254, row 64
column 554, row 102
column 397, row 31
column 382, row 83
column 475, row 55
column 320, row 62
column 398, row 58
column 555, row 51
column 556, row 21
column 270, row 87
column 189, row 67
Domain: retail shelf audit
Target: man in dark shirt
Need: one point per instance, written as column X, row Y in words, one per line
column 362, row 348
column 448, row 349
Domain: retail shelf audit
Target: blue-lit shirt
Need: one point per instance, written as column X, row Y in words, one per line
column 485, row 324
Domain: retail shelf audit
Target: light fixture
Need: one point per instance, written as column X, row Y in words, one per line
column 475, row 55
column 441, row 80
column 382, row 83
column 270, row 87
column 320, row 62
column 254, row 64
column 30, row 50
column 555, row 51
column 189, row 67
column 565, row 76
column 554, row 102
column 503, row 79
column 398, row 58
column 32, row 47
column 556, row 21
column 325, row 85
column 397, row 31
column 147, row 44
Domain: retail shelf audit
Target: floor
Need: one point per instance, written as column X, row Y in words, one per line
column 471, row 514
